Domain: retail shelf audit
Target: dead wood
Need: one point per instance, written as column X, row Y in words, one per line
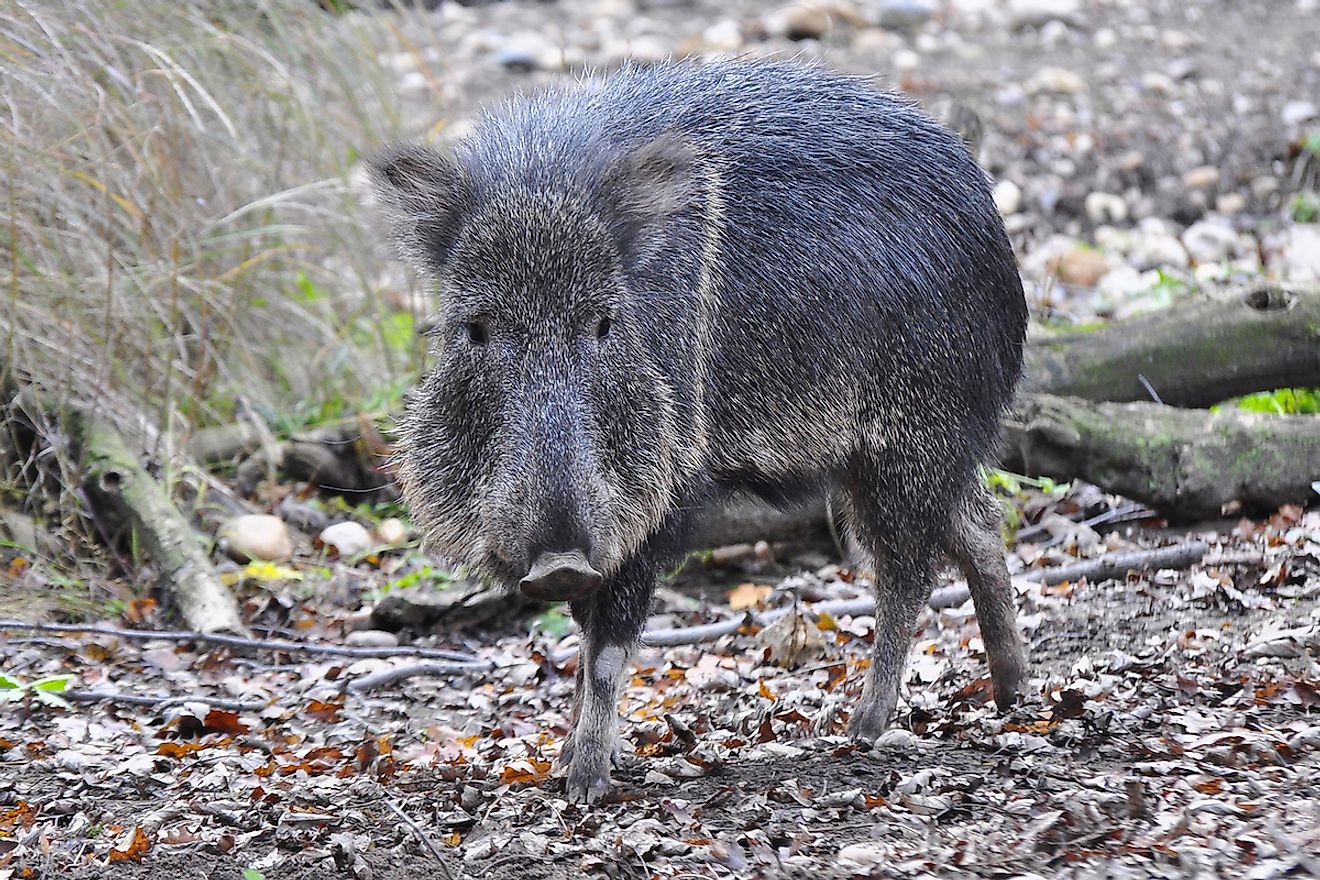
column 1112, row 565
column 243, row 643
column 1194, row 354
column 113, row 475
column 1187, row 464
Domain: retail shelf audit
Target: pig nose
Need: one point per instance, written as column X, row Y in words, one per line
column 561, row 577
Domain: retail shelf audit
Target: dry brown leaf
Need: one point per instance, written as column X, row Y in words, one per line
column 225, row 722
column 746, row 596
column 132, row 847
column 525, row 772
column 325, row 710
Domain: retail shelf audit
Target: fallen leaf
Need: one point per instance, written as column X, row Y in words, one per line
column 746, row 596
column 132, row 847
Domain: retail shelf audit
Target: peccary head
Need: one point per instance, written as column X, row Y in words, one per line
column 542, row 447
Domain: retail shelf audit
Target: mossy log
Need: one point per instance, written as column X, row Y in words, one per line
column 1187, row 464
column 112, row 474
column 1190, row 355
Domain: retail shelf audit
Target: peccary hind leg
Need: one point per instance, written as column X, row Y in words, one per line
column 610, row 621
column 975, row 544
column 904, row 556
column 901, row 592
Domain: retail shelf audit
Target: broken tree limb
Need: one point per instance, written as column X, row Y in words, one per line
column 373, row 680
column 1112, row 565
column 1187, row 464
column 1109, row 566
column 1194, row 354
column 242, row 642
column 113, row 474
column 161, row 701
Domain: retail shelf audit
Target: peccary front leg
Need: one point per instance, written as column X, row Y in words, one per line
column 610, row 621
column 975, row 544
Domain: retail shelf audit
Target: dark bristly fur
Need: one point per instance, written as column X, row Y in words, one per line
column 807, row 290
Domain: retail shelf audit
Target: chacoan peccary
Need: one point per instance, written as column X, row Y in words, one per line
column 670, row 284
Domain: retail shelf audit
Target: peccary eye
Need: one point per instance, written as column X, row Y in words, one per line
column 604, row 327
column 476, row 332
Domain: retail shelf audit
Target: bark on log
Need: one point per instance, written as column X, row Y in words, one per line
column 1187, row 464
column 113, row 474
column 1192, row 355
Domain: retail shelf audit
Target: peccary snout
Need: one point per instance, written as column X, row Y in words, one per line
column 557, row 512
column 561, row 577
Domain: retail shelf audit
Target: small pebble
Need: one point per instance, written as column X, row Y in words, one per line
column 371, row 638
column 801, row 21
column 1055, row 80
column 391, row 531
column 1103, row 207
column 1203, row 177
column 347, row 538
column 256, row 536
column 1008, row 197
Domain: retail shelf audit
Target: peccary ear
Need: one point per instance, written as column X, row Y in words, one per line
column 426, row 196
column 648, row 186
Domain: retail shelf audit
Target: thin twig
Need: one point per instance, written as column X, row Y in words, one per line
column 159, row 701
column 374, row 680
column 240, row 641
column 1114, row 565
column 407, row 820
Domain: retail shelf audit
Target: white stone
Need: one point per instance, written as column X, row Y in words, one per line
column 897, row 739
column 723, row 36
column 906, row 59
column 256, row 536
column 1158, row 83
column 1231, row 203
column 1202, row 177
column 1056, row 80
column 864, row 855
column 391, row 531
column 371, row 638
column 1103, row 207
column 1294, row 252
column 348, row 538
column 1008, row 197
column 1156, row 250
column 1210, row 241
column 1034, row 13
column 1297, row 112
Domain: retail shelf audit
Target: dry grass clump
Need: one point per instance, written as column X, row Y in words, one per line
column 182, row 230
column 185, row 241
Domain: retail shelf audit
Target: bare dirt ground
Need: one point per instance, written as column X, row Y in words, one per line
column 1173, row 723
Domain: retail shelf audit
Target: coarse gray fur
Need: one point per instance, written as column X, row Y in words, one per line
column 670, row 284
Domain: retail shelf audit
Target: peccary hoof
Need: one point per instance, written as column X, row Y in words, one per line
column 561, row 577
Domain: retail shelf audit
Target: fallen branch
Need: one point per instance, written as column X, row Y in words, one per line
column 1115, row 565
column 114, row 475
column 416, row 829
column 1193, row 354
column 161, row 702
column 1188, row 464
column 374, row 680
column 240, row 641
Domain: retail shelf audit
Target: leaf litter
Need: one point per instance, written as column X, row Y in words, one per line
column 1172, row 726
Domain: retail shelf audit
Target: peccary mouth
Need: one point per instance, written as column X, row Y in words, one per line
column 561, row 577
